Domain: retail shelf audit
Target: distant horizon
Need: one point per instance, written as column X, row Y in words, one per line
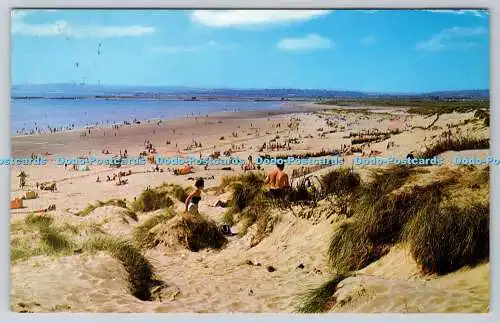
column 247, row 89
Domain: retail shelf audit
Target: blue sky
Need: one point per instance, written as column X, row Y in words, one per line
column 363, row 50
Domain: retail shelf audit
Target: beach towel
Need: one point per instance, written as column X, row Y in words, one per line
column 185, row 170
column 16, row 203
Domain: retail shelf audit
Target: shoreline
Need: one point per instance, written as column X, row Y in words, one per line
column 179, row 131
column 304, row 107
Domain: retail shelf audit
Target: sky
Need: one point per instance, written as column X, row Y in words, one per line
column 357, row 50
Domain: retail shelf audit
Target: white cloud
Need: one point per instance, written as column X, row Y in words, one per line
column 309, row 42
column 239, row 18
column 368, row 40
column 63, row 28
column 168, row 49
column 452, row 38
column 477, row 13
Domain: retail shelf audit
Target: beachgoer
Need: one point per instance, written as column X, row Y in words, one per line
column 277, row 180
column 194, row 198
column 249, row 165
column 410, row 156
column 22, row 179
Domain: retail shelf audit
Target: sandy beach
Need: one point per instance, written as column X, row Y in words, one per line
column 200, row 281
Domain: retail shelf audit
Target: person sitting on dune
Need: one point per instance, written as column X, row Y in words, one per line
column 277, row 180
column 195, row 197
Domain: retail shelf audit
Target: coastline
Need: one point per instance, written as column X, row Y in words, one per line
column 304, row 106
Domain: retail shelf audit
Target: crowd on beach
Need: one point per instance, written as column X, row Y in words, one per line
column 276, row 143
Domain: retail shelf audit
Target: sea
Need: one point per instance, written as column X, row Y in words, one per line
column 71, row 114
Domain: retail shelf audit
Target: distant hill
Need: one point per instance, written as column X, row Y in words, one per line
column 164, row 92
column 485, row 94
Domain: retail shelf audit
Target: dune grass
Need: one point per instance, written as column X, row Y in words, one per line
column 250, row 204
column 350, row 248
column 246, row 189
column 193, row 232
column 46, row 239
column 320, row 299
column 141, row 274
column 378, row 218
column 484, row 115
column 424, row 106
column 454, row 143
column 151, row 200
column 180, row 193
column 369, row 138
column 200, row 233
column 384, row 217
column 175, row 190
column 342, row 184
column 98, row 204
column 225, row 184
column 442, row 241
column 141, row 236
column 127, row 213
column 39, row 237
column 261, row 217
column 445, row 222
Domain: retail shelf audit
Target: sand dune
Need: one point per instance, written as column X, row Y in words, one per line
column 235, row 278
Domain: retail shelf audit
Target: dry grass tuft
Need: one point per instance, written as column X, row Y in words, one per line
column 320, row 300
column 151, row 200
column 92, row 207
column 140, row 270
column 187, row 231
column 454, row 143
column 142, row 236
column 38, row 236
column 379, row 216
column 445, row 240
column 444, row 230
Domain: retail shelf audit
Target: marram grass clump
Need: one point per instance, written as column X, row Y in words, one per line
column 141, row 235
column 36, row 236
column 380, row 212
column 192, row 232
column 246, row 188
column 320, row 299
column 151, row 200
column 351, row 249
column 453, row 237
column 98, row 204
column 141, row 274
